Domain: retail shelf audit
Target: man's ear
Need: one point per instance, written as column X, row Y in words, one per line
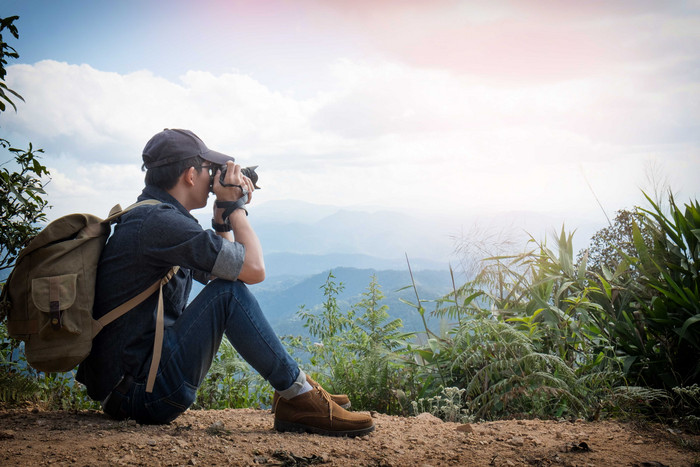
column 188, row 176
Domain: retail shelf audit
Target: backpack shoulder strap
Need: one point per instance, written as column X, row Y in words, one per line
column 117, row 210
column 160, row 321
column 122, row 309
column 97, row 229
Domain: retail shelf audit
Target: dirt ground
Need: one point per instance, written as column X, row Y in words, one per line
column 31, row 436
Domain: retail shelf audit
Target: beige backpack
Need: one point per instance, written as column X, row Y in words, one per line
column 49, row 295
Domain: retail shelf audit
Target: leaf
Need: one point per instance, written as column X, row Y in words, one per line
column 606, row 286
column 470, row 298
column 688, row 322
column 434, row 345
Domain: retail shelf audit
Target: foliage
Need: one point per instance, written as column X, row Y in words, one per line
column 530, row 338
column 448, row 405
column 6, row 51
column 609, row 246
column 629, row 402
column 231, row 383
column 21, row 203
column 356, row 351
column 21, row 208
column 60, row 391
column 688, row 403
column 503, row 374
column 15, row 385
column 375, row 370
column 19, row 383
column 429, row 353
column 668, row 297
column 14, row 389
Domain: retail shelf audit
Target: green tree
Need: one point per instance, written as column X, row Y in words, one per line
column 22, row 203
column 22, row 206
column 375, row 376
column 7, row 51
column 609, row 246
column 355, row 351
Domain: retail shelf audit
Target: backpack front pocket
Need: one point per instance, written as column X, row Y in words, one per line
column 54, row 297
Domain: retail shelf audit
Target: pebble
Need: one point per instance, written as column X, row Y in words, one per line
column 428, row 417
column 217, row 425
column 466, row 428
column 516, row 441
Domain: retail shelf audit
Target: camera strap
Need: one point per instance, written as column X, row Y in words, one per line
column 230, row 206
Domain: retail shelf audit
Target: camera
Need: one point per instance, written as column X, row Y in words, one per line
column 247, row 171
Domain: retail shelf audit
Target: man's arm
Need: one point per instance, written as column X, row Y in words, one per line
column 253, row 269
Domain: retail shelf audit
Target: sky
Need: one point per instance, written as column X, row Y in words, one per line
column 567, row 109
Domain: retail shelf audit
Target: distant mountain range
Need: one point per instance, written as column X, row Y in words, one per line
column 281, row 297
column 298, row 264
column 294, row 227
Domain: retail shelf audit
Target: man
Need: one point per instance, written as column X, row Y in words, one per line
column 147, row 241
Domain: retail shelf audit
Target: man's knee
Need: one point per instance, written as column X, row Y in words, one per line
column 238, row 289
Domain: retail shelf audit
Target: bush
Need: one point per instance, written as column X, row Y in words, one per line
column 231, row 383
column 357, row 352
column 668, row 297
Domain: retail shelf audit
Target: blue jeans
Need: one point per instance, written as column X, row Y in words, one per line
column 190, row 344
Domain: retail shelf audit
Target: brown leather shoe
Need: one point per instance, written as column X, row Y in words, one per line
column 341, row 399
column 315, row 412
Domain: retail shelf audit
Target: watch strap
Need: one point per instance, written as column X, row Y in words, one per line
column 220, row 227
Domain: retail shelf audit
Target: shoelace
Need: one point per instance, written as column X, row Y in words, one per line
column 324, row 394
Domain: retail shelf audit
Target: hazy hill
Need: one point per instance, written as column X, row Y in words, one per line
column 281, row 297
column 298, row 264
column 309, row 229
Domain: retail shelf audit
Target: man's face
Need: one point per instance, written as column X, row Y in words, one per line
column 203, row 180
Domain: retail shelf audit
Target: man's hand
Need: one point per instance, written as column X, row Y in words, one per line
column 233, row 177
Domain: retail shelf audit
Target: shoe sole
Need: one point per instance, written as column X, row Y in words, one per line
column 345, row 406
column 299, row 428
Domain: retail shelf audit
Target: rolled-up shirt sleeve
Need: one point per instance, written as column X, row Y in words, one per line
column 169, row 238
column 229, row 261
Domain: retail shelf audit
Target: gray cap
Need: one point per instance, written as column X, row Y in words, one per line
column 170, row 146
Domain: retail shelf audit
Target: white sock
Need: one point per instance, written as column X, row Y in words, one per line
column 306, row 388
column 300, row 386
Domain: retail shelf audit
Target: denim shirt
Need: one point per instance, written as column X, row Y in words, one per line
column 145, row 244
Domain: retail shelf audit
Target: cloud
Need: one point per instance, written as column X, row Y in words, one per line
column 98, row 115
column 383, row 133
column 540, row 41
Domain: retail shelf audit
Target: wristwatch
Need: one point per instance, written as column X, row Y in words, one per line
column 220, row 227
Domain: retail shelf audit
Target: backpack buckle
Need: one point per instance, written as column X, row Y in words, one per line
column 55, row 314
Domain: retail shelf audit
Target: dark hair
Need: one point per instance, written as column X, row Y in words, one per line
column 165, row 177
